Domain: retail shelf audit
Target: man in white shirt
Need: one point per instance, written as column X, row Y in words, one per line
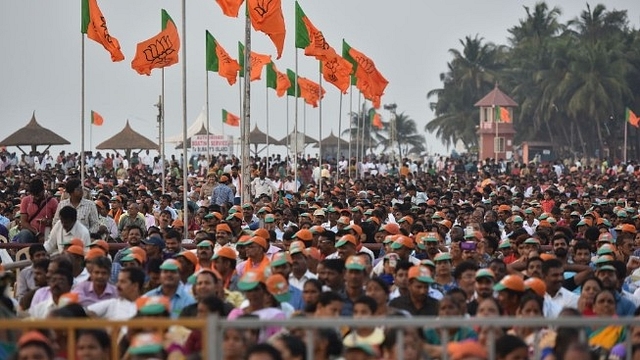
column 263, row 185
column 66, row 229
column 299, row 270
column 129, row 285
column 553, row 277
column 60, row 283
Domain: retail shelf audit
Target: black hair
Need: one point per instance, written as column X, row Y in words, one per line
column 153, row 265
column 264, row 348
column 68, row 213
column 383, row 284
column 101, row 336
column 297, row 348
column 506, row 344
column 334, row 264
column 463, row 267
column 334, row 347
column 69, row 311
column 35, row 248
column 41, row 264
column 403, row 265
column 102, row 262
column 550, row 264
column 327, row 297
column 136, row 276
column 71, row 185
column 581, row 245
column 368, row 301
column 213, row 304
column 36, row 186
column 531, row 296
column 173, row 234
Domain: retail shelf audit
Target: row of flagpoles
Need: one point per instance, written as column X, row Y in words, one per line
column 352, row 67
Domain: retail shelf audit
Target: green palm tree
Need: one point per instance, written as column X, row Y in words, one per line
column 407, row 137
column 363, row 135
column 471, row 74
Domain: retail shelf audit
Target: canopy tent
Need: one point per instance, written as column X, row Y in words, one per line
column 303, row 140
column 330, row 146
column 194, row 129
column 202, row 131
column 127, row 139
column 33, row 134
column 257, row 137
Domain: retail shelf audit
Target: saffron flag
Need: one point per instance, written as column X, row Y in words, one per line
column 159, row 51
column 258, row 61
column 230, row 7
column 309, row 38
column 293, row 90
column 310, row 91
column 96, row 119
column 502, row 114
column 95, row 26
column 277, row 80
column 368, row 79
column 266, row 16
column 375, row 119
column 337, row 71
column 632, row 118
column 230, row 119
column 218, row 60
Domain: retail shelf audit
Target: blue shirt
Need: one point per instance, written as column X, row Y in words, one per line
column 296, row 298
column 179, row 300
column 624, row 306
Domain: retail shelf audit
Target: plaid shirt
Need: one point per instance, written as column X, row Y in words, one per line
column 87, row 214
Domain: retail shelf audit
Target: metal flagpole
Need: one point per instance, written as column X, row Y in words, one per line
column 246, row 119
column 339, row 139
column 206, row 82
column 359, row 144
column 185, row 161
column 304, row 129
column 320, row 130
column 626, row 133
column 350, row 127
column 295, row 127
column 266, row 90
column 162, row 155
column 82, row 114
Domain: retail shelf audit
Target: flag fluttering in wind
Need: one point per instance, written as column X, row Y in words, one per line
column 95, row 26
column 632, row 118
column 266, row 16
column 375, row 119
column 218, row 60
column 277, row 80
column 335, row 69
column 230, row 119
column 159, row 51
column 230, row 7
column 258, row 61
column 502, row 114
column 310, row 91
column 368, row 79
column 96, row 119
column 292, row 91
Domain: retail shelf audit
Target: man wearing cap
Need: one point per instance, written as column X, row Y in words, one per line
column 66, row 229
column 299, row 267
column 154, row 247
column 403, row 246
column 204, row 253
column 188, row 262
column 75, row 253
column 609, row 276
column 134, row 238
column 510, row 290
column 354, row 278
column 86, row 209
column 249, row 219
column 97, row 288
column 281, row 264
column 224, row 261
column 172, row 288
column 417, row 302
column 485, row 279
column 256, row 248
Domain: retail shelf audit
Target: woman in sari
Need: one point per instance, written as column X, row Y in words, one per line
column 604, row 305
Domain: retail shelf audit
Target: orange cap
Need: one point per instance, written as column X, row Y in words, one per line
column 537, row 285
column 191, row 257
column 75, row 241
column 140, row 251
column 391, row 228
column 466, row 349
column 510, row 282
column 76, row 250
column 223, row 227
column 262, row 232
column 446, row 223
column 226, row 252
column 68, row 298
column 347, row 239
column 304, row 235
column 504, row 208
column 93, row 253
column 33, row 336
column 546, row 256
column 258, row 240
column 177, row 223
column 100, row 244
column 628, row 228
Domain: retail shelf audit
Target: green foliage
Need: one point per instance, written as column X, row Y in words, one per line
column 572, row 81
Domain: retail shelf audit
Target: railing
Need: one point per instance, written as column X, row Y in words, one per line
column 213, row 328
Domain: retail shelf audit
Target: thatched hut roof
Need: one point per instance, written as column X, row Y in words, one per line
column 33, row 134
column 127, row 139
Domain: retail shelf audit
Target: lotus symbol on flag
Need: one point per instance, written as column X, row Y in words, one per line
column 263, row 7
column 158, row 52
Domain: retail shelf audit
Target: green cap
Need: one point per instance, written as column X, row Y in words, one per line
column 269, row 218
column 443, row 257
column 250, row 280
column 205, row 243
column 171, row 265
column 606, row 268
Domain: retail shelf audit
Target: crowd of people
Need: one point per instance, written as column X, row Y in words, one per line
column 375, row 238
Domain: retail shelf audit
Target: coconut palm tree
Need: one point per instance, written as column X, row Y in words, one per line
column 407, row 137
column 363, row 135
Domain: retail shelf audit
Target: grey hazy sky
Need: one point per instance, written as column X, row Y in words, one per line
column 408, row 40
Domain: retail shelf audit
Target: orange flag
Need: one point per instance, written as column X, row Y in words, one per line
column 337, row 71
column 310, row 91
column 230, row 119
column 158, row 52
column 369, row 80
column 230, row 7
column 227, row 67
column 266, row 16
column 258, row 61
column 96, row 119
column 95, row 26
